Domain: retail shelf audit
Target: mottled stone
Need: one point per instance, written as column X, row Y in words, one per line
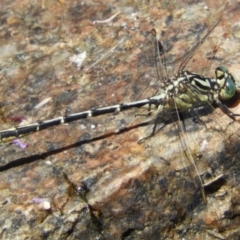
column 70, row 184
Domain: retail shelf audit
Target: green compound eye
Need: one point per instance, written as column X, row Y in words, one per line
column 226, row 81
column 229, row 90
column 221, row 71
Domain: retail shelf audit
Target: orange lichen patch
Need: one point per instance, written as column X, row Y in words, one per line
column 211, row 219
column 48, row 183
column 114, row 185
column 4, row 186
column 13, row 20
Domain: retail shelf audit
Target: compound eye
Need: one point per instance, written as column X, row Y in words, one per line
column 229, row 89
column 220, row 72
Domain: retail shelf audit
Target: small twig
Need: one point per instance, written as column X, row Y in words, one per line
column 43, row 102
column 107, row 20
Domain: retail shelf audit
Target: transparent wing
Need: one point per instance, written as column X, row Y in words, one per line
column 151, row 68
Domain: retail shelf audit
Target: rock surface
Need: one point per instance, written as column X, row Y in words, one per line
column 84, row 180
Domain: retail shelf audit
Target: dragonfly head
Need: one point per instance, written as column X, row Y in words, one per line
column 226, row 82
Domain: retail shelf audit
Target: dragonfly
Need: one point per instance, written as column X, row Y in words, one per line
column 173, row 102
column 184, row 92
column 187, row 90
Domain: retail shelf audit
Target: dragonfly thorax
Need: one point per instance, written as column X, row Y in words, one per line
column 190, row 89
